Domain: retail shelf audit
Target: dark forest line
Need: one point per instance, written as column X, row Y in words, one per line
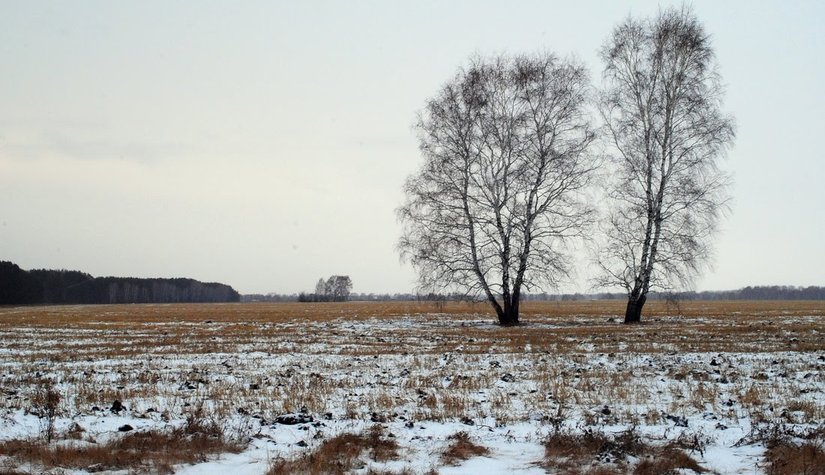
column 41, row 286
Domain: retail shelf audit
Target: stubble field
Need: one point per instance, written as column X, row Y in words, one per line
column 413, row 387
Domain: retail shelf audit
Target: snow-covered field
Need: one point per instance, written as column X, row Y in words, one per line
column 719, row 382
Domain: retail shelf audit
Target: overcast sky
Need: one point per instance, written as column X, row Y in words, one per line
column 264, row 144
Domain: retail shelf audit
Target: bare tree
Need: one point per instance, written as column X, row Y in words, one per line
column 500, row 192
column 661, row 107
column 338, row 288
column 321, row 290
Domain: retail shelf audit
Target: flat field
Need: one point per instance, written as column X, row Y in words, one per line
column 413, row 387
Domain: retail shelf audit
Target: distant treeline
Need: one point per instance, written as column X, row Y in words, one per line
column 760, row 292
column 18, row 286
column 766, row 292
column 307, row 297
column 361, row 297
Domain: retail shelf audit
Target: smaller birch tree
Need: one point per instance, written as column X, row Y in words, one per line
column 661, row 106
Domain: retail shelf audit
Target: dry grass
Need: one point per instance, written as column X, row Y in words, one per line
column 340, row 454
column 787, row 458
column 134, row 330
column 593, row 452
column 461, row 448
column 791, row 451
column 153, row 451
column 668, row 461
column 148, row 343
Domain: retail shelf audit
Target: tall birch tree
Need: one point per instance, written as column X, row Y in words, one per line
column 661, row 106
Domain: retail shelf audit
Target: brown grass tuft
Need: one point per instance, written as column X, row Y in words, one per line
column 667, row 461
column 461, row 448
column 569, row 453
column 787, row 458
column 340, row 454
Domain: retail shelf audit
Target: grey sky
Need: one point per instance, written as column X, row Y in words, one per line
column 264, row 144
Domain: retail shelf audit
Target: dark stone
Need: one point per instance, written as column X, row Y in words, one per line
column 125, row 428
column 117, row 406
column 302, row 444
column 678, row 421
column 508, row 378
column 606, row 411
column 254, row 386
column 75, row 429
column 292, row 419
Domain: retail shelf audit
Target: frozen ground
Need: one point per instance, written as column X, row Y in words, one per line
column 714, row 383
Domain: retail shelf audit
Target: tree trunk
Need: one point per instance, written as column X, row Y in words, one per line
column 514, row 312
column 508, row 317
column 633, row 314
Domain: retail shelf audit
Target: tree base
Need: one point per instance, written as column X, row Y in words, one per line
column 633, row 314
column 508, row 320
